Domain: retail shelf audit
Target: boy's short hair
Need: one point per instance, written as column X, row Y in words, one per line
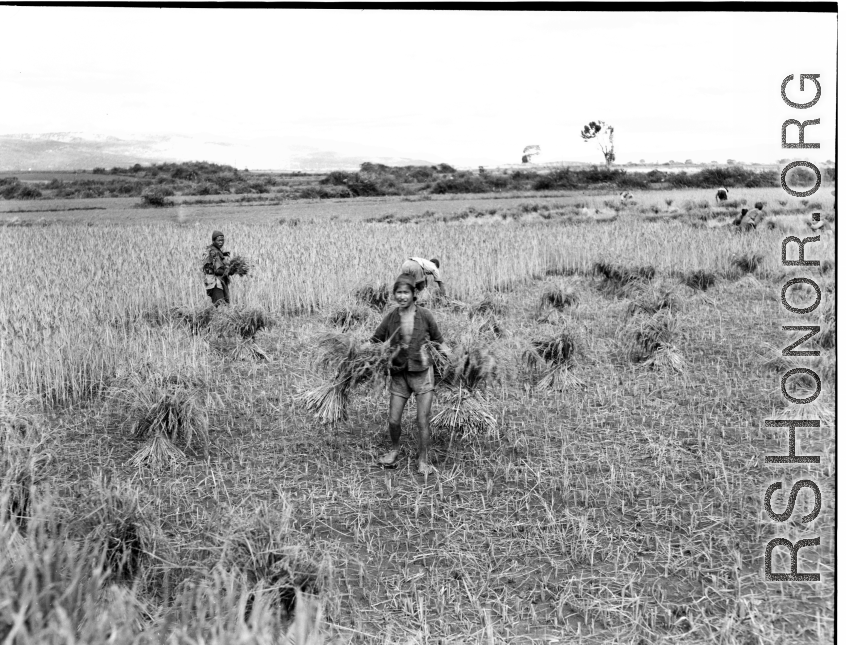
column 436, row 263
column 759, row 205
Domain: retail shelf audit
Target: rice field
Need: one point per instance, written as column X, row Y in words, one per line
column 615, row 497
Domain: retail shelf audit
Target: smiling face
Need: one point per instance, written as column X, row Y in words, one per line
column 219, row 241
column 403, row 295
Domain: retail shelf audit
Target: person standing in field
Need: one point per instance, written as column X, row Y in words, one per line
column 408, row 327
column 423, row 272
column 216, row 270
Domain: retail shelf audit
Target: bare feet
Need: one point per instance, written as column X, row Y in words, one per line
column 389, row 458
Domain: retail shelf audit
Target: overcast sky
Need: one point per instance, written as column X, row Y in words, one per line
column 462, row 87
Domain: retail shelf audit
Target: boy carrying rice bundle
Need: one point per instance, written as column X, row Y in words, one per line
column 407, row 328
column 218, row 267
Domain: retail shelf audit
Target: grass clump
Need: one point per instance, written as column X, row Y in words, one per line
column 119, row 524
column 263, row 550
column 23, row 461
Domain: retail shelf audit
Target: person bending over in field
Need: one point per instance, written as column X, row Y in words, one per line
column 216, row 270
column 751, row 219
column 408, row 327
column 424, row 272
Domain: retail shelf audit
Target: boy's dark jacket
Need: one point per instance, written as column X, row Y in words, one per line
column 408, row 358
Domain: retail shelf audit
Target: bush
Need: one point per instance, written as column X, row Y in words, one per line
column 462, row 183
column 157, row 197
column 561, row 179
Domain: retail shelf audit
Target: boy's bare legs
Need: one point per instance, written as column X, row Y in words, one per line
column 424, row 402
column 395, row 415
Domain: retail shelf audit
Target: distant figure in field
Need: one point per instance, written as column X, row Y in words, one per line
column 423, row 272
column 625, row 197
column 722, row 195
column 216, row 270
column 749, row 220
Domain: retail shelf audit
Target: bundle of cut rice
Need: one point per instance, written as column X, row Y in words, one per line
column 465, row 412
column 375, row 297
column 228, row 322
column 238, row 265
column 666, row 357
column 158, row 452
column 551, row 360
column 353, row 364
column 239, row 349
column 471, row 367
column 167, row 412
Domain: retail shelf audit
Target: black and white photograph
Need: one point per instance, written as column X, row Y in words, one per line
column 418, row 325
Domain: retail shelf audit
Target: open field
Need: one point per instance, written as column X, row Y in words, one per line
column 626, row 507
column 271, row 209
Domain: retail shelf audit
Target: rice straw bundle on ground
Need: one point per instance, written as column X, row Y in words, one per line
column 486, row 323
column 620, row 281
column 699, row 279
column 374, row 297
column 352, row 364
column 666, row 357
column 551, row 360
column 746, row 262
column 653, row 298
column 488, row 305
column 174, row 412
column 238, row 265
column 650, row 342
column 465, row 412
column 349, row 317
column 559, row 297
column 228, row 322
column 158, row 453
column 239, row 349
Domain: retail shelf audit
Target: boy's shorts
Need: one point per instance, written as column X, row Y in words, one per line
column 406, row 382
